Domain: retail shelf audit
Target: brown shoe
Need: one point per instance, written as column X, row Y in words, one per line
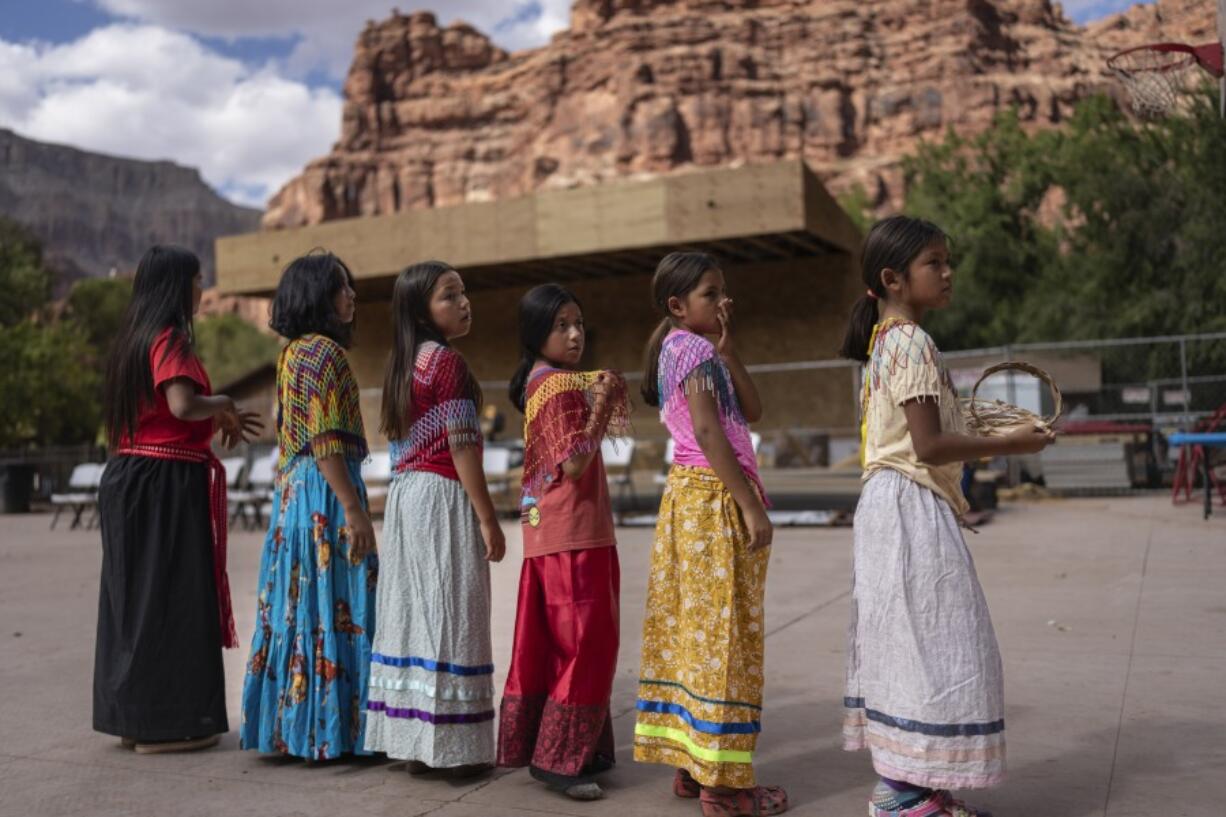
column 128, row 743
column 187, row 745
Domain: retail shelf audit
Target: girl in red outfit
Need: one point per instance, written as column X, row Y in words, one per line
column 555, row 708
column 164, row 608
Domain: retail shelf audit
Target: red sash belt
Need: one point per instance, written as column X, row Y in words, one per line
column 217, row 514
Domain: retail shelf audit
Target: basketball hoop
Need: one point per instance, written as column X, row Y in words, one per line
column 1156, row 75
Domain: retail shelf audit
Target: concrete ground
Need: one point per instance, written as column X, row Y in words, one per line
column 1111, row 615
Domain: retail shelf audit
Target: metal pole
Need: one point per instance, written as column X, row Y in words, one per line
column 1183, row 378
column 1221, row 36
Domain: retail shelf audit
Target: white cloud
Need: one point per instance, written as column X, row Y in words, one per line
column 150, row 93
column 148, row 88
column 327, row 29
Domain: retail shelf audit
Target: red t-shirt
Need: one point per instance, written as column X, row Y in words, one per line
column 568, row 514
column 156, row 425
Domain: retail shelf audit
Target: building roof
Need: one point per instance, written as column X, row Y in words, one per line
column 746, row 214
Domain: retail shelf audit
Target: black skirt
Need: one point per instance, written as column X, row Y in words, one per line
column 158, row 672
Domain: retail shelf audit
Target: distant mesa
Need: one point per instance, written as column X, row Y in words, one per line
column 96, row 213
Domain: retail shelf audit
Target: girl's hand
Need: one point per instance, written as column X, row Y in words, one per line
column 361, row 534
column 723, row 312
column 602, row 390
column 1029, row 439
column 607, row 386
column 238, row 425
column 761, row 531
column 495, row 540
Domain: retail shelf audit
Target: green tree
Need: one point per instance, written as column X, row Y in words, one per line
column 48, row 387
column 25, row 284
column 48, row 370
column 230, row 347
column 97, row 306
column 1104, row 228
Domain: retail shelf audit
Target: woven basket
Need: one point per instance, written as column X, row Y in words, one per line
column 993, row 418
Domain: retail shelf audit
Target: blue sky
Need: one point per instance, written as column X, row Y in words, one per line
column 246, row 90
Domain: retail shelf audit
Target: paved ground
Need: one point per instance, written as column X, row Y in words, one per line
column 1111, row 615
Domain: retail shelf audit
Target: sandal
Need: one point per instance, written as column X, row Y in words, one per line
column 755, row 802
column 940, row 804
column 187, row 745
column 684, row 785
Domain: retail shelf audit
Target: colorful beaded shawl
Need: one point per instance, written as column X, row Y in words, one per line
column 557, row 421
column 318, row 402
column 689, row 364
column 443, row 410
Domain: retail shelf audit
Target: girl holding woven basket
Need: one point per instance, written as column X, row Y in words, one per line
column 924, row 684
column 555, row 708
column 431, row 698
column 700, row 685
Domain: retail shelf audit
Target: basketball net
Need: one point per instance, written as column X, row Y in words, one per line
column 1158, row 75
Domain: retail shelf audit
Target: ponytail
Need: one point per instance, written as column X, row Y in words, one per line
column 651, row 364
column 519, row 381
column 893, row 243
column 860, row 329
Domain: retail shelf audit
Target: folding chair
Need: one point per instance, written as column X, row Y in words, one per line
column 250, row 504
column 496, row 462
column 82, row 495
column 618, row 456
column 377, row 475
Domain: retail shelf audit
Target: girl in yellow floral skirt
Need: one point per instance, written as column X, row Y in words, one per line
column 700, row 685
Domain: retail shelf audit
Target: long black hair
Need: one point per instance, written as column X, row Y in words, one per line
column 892, row 243
column 411, row 326
column 676, row 276
column 537, row 311
column 161, row 299
column 305, row 299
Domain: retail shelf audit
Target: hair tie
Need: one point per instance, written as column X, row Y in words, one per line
column 873, row 295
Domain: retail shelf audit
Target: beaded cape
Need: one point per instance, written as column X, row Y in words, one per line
column 444, row 413
column 557, row 421
column 318, row 403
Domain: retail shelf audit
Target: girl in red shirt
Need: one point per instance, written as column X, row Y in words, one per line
column 555, row 708
column 164, row 606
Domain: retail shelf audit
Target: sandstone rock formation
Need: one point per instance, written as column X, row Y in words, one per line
column 436, row 116
column 95, row 213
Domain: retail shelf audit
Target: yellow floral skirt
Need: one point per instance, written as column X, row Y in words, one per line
column 700, row 685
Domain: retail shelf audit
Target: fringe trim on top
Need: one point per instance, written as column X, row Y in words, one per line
column 558, row 421
column 688, row 365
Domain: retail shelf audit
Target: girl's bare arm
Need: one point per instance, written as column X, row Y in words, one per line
column 361, row 529
column 709, row 433
column 471, row 470
column 936, row 447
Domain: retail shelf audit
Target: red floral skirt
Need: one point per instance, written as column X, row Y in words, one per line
column 555, row 708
